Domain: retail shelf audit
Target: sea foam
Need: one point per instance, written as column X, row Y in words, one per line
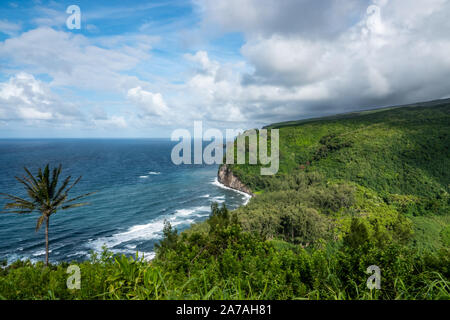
column 148, row 231
column 247, row 197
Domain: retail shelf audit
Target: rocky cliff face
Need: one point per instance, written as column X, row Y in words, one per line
column 226, row 177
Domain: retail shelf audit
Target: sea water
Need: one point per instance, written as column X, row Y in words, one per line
column 137, row 188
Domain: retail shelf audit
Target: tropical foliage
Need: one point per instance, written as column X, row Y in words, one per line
column 228, row 263
column 45, row 196
column 353, row 191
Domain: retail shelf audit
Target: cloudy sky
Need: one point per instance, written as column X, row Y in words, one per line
column 144, row 68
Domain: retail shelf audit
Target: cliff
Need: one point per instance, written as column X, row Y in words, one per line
column 227, row 178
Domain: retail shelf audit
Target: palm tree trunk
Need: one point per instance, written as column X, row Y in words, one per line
column 46, row 240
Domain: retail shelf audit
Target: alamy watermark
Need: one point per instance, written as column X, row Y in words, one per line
column 74, row 20
column 374, row 281
column 257, row 147
column 74, row 279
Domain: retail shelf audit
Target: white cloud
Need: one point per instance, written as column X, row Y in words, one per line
column 31, row 102
column 74, row 60
column 205, row 64
column 150, row 103
column 25, row 98
column 9, row 28
column 346, row 57
column 29, row 113
column 111, row 123
column 300, row 58
column 225, row 99
column 310, row 18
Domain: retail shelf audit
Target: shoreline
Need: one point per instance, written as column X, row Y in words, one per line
column 223, row 186
column 148, row 256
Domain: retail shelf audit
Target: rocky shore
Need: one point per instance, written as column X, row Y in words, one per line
column 227, row 178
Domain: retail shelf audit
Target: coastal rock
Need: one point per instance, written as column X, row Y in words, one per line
column 227, row 178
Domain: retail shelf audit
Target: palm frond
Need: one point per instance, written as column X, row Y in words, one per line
column 80, row 197
column 14, row 198
column 18, row 203
column 61, row 198
column 28, row 206
column 46, row 182
column 41, row 192
column 39, row 222
column 18, row 211
column 32, row 191
column 76, row 205
column 31, row 176
column 58, row 202
column 32, row 184
column 54, row 182
column 42, row 186
column 39, row 175
column 43, row 183
column 46, row 173
column 63, row 186
column 73, row 185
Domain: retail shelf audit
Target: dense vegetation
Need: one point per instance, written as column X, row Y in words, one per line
column 227, row 263
column 357, row 190
column 396, row 161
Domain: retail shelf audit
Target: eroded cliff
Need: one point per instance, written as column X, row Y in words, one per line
column 227, row 178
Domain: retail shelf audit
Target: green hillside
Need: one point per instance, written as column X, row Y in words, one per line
column 399, row 151
column 396, row 157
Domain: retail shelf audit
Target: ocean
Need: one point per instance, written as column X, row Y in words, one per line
column 138, row 188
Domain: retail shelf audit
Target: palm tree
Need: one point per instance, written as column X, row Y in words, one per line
column 44, row 196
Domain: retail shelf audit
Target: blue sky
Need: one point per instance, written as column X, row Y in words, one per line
column 145, row 68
